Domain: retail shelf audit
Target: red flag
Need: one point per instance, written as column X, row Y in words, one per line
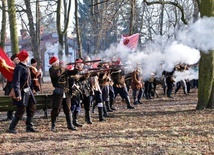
column 6, row 65
column 130, row 41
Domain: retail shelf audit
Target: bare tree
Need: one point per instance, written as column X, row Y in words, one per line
column 132, row 16
column 37, row 53
column 3, row 24
column 162, row 2
column 79, row 41
column 13, row 26
column 35, row 43
column 196, row 10
column 65, row 22
column 206, row 74
column 61, row 32
column 106, row 16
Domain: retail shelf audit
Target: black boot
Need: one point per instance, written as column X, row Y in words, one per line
column 105, row 114
column 149, row 96
column 135, row 102
column 13, row 125
column 69, row 122
column 75, row 120
column 108, row 106
column 93, row 107
column 184, row 90
column 53, row 123
column 139, row 102
column 111, row 104
column 45, row 113
column 164, row 90
column 29, row 124
column 128, row 103
column 87, row 117
column 100, row 111
column 9, row 115
column 146, row 95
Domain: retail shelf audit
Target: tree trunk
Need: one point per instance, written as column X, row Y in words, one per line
column 32, row 31
column 65, row 22
column 13, row 26
column 38, row 53
column 59, row 28
column 132, row 17
column 3, row 24
column 92, row 11
column 79, row 41
column 95, row 25
column 161, row 19
column 196, row 11
column 206, row 74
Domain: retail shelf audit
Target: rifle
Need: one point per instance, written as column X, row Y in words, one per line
column 84, row 62
column 99, row 69
column 91, row 71
column 105, row 62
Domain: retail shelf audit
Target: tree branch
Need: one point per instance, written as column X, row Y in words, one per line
column 99, row 3
column 171, row 3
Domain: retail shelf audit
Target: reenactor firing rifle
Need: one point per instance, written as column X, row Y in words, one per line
column 90, row 72
column 85, row 62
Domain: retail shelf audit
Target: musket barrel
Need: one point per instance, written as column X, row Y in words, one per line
column 91, row 61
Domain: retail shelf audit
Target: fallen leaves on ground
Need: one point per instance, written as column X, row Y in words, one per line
column 158, row 126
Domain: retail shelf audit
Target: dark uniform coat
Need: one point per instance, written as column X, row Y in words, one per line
column 22, row 80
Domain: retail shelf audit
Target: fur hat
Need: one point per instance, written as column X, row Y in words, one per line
column 53, row 60
column 23, row 55
column 79, row 60
column 32, row 61
column 87, row 58
column 13, row 57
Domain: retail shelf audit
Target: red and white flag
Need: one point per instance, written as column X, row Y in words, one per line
column 130, row 42
column 6, row 65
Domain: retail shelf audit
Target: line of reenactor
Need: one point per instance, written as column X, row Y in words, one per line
column 76, row 85
column 84, row 85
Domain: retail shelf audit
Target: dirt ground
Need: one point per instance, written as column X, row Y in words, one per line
column 159, row 126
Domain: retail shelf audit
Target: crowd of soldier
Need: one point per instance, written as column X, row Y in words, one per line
column 80, row 86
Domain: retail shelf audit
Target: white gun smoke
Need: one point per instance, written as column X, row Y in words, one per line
column 164, row 54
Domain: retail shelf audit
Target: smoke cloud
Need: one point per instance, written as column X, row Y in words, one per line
column 201, row 34
column 164, row 54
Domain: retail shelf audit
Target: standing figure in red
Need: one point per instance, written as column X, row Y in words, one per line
column 24, row 97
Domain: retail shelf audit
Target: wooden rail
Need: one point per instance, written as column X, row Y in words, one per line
column 44, row 102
